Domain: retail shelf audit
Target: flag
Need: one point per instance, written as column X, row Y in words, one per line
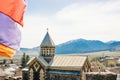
column 11, row 11
column 14, row 9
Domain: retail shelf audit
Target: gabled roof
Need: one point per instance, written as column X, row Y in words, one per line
column 40, row 60
column 47, row 41
column 62, row 62
column 31, row 60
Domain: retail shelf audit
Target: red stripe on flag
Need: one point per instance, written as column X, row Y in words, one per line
column 14, row 9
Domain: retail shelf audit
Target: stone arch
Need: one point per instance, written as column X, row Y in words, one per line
column 31, row 74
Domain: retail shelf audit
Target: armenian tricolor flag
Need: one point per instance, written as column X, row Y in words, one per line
column 11, row 11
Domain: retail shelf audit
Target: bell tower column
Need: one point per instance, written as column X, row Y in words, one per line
column 47, row 48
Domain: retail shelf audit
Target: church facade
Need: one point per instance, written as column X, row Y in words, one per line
column 48, row 66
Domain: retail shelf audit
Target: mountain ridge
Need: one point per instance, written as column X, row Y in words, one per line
column 82, row 46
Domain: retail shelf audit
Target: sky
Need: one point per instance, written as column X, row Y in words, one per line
column 69, row 20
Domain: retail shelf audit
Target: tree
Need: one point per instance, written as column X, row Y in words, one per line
column 27, row 58
column 23, row 60
column 11, row 61
column 4, row 61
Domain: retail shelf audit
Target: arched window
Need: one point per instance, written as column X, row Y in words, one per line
column 41, row 74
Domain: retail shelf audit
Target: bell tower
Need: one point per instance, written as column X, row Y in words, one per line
column 47, row 48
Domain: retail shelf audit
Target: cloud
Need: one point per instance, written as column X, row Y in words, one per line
column 34, row 28
column 91, row 12
column 89, row 20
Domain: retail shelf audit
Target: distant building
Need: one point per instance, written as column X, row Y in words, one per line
column 110, row 61
column 49, row 66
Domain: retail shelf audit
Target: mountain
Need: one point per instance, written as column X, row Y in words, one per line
column 24, row 49
column 114, row 45
column 30, row 49
column 82, row 46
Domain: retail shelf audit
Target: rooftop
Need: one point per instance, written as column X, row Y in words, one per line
column 68, row 61
column 47, row 41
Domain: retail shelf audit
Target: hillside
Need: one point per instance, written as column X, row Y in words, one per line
column 82, row 46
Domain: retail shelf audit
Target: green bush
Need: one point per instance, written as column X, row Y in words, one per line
column 98, row 77
column 101, row 77
column 111, row 77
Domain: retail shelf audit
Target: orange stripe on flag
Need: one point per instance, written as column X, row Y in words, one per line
column 6, row 51
column 14, row 9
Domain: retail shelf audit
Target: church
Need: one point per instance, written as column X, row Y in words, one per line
column 50, row 66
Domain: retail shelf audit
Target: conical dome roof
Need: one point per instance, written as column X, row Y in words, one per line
column 47, row 41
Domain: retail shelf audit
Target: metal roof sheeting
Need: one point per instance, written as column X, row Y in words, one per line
column 68, row 61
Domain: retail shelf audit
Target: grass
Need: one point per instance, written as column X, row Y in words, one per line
column 101, row 54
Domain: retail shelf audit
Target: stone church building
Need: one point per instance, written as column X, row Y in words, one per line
column 48, row 66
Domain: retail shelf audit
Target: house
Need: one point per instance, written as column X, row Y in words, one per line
column 49, row 66
column 111, row 61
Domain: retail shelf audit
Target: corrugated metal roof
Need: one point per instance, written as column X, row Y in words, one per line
column 68, row 61
column 47, row 41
